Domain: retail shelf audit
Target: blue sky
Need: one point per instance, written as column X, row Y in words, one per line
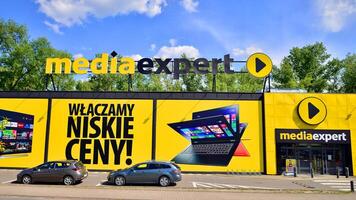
column 205, row 28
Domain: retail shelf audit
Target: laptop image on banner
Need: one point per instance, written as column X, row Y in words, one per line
column 213, row 141
column 231, row 113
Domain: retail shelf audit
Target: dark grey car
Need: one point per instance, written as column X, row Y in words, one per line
column 162, row 173
column 67, row 172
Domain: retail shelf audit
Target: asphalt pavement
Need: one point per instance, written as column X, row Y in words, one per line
column 193, row 186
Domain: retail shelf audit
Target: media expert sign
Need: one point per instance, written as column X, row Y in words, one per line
column 127, row 65
column 312, row 136
column 100, row 65
column 103, row 134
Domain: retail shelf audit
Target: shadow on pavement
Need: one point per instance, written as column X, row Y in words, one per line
column 44, row 183
column 106, row 183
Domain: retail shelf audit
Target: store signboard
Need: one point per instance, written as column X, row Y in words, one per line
column 312, row 136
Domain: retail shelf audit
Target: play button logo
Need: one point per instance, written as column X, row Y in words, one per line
column 312, row 110
column 259, row 65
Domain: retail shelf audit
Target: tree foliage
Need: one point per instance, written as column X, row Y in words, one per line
column 22, row 68
column 22, row 60
column 349, row 75
column 308, row 68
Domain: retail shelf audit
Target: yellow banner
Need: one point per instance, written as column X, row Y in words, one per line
column 183, row 125
column 103, row 134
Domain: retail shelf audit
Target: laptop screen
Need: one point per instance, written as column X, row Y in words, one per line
column 206, row 132
column 213, row 128
column 229, row 112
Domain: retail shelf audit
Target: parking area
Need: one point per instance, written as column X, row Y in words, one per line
column 212, row 181
column 193, row 186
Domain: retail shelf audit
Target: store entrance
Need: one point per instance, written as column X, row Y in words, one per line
column 323, row 159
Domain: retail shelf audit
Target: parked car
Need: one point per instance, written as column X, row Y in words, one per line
column 68, row 172
column 162, row 173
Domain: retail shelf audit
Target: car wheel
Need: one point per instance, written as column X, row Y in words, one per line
column 164, row 181
column 120, row 180
column 26, row 179
column 68, row 180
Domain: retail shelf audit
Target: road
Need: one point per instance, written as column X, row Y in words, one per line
column 193, row 186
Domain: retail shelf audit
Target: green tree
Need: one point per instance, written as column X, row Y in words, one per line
column 108, row 82
column 22, row 61
column 83, row 85
column 306, row 68
column 237, row 82
column 334, row 72
column 248, row 83
column 192, row 82
column 349, row 75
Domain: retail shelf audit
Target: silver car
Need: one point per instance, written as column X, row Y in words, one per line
column 162, row 173
column 67, row 172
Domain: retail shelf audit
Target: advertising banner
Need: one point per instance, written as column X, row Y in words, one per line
column 210, row 135
column 290, row 165
column 103, row 134
column 22, row 131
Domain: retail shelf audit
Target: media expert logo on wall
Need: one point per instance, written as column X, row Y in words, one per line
column 261, row 65
column 103, row 134
column 312, row 110
column 312, row 136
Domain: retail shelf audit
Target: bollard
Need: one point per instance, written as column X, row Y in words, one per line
column 295, row 171
column 337, row 172
column 347, row 173
column 312, row 173
column 352, row 186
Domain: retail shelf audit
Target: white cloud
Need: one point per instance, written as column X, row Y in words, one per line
column 71, row 12
column 153, row 47
column 336, row 13
column 136, row 57
column 245, row 52
column 54, row 27
column 78, row 55
column 177, row 52
column 190, row 5
column 173, row 42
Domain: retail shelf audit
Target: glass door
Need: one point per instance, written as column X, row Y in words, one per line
column 317, row 160
column 303, row 160
column 330, row 161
